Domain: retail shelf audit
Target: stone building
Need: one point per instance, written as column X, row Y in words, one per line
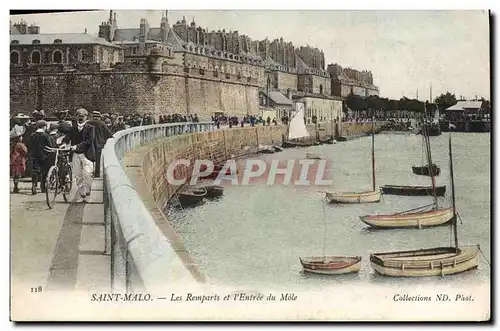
column 162, row 68
column 61, row 48
column 347, row 81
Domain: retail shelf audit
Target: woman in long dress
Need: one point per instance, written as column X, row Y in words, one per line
column 18, row 152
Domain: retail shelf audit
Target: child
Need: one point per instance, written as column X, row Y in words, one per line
column 18, row 152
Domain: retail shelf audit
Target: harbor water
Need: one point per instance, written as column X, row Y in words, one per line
column 254, row 234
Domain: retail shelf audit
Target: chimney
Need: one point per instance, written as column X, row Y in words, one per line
column 85, row 31
column 289, row 94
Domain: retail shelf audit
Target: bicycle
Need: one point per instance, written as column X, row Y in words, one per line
column 60, row 176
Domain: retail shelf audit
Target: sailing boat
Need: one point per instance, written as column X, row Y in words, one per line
column 418, row 190
column 359, row 197
column 429, row 262
column 297, row 129
column 330, row 265
column 425, row 216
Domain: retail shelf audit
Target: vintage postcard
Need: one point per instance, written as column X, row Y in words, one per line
column 250, row 165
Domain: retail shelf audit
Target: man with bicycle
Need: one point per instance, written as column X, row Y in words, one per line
column 82, row 139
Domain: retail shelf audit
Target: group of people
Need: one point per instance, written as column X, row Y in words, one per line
column 178, row 118
column 84, row 137
column 231, row 121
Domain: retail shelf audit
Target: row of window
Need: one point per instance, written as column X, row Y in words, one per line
column 36, row 57
column 215, row 73
column 36, row 42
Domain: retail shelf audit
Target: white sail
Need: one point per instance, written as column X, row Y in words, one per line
column 297, row 127
column 436, row 115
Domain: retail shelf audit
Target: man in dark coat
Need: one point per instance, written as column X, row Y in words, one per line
column 82, row 139
column 102, row 134
column 30, row 129
column 39, row 140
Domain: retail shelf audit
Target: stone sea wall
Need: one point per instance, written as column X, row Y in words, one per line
column 154, row 158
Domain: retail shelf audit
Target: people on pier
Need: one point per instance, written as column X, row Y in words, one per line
column 82, row 140
column 102, row 134
column 18, row 152
column 39, row 140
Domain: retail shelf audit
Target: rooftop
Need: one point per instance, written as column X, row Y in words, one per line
column 462, row 105
column 66, row 38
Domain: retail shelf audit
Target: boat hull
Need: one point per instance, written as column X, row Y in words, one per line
column 214, row 191
column 424, row 170
column 413, row 190
column 313, row 156
column 410, row 220
column 335, row 265
column 291, row 144
column 191, row 199
column 353, row 197
column 426, row 262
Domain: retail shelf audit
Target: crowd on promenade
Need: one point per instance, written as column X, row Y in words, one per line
column 82, row 135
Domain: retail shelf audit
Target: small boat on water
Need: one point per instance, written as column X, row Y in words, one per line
column 359, row 197
column 413, row 190
column 214, row 191
column 328, row 264
column 424, row 170
column 353, row 197
column 331, row 265
column 297, row 130
column 438, row 261
column 327, row 140
column 191, row 197
column 424, row 216
column 408, row 219
column 313, row 156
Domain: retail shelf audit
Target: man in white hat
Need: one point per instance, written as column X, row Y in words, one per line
column 82, row 139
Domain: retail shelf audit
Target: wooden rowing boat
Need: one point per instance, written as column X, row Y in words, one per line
column 191, row 197
column 419, row 217
column 353, row 197
column 313, row 156
column 438, row 261
column 331, row 265
column 328, row 264
column 424, row 170
column 214, row 191
column 359, row 197
column 409, row 220
column 413, row 190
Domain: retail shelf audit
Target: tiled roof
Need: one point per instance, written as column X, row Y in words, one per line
column 462, row 105
column 175, row 41
column 66, row 38
column 133, row 34
column 278, row 98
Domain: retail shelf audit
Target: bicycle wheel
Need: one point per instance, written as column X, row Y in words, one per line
column 68, row 183
column 51, row 186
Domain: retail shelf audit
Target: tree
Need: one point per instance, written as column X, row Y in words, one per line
column 445, row 101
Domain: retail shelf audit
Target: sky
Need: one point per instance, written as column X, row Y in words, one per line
column 405, row 50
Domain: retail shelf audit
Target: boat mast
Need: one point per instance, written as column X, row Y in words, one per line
column 331, row 122
column 454, row 219
column 373, row 153
column 429, row 161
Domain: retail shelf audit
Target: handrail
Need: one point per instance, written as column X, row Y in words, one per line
column 142, row 258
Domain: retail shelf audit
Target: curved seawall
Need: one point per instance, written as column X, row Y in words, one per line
column 146, row 166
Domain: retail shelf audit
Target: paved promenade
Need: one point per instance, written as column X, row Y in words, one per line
column 60, row 249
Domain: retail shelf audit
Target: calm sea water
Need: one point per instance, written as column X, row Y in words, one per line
column 255, row 234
